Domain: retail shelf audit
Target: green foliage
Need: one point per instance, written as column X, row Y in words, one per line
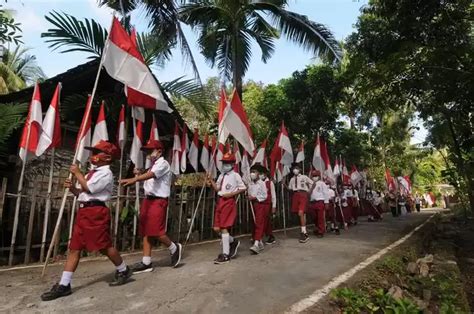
column 12, row 116
column 9, row 29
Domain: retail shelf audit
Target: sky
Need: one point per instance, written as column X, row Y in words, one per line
column 338, row 15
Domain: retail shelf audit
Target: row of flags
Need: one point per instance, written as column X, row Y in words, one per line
column 400, row 184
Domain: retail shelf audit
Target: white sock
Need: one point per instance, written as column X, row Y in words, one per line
column 225, row 243
column 172, row 248
column 303, row 229
column 256, row 243
column 66, row 278
column 122, row 267
column 146, row 260
column 231, row 238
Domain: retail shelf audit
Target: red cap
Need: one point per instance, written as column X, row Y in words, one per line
column 105, row 147
column 316, row 173
column 228, row 158
column 153, row 144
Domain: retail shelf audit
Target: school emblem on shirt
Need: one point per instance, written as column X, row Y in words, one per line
column 228, row 186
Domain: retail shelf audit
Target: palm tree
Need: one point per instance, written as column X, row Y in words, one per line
column 227, row 28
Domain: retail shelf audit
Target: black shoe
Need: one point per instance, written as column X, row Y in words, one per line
column 233, row 248
column 337, row 232
column 121, row 277
column 57, row 291
column 271, row 240
column 303, row 237
column 222, row 259
column 176, row 256
column 139, row 268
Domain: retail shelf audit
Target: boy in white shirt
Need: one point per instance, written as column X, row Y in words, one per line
column 300, row 185
column 257, row 194
column 271, row 205
column 319, row 201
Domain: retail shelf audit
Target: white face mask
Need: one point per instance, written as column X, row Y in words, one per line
column 227, row 167
column 296, row 172
column 263, row 177
column 92, row 166
column 253, row 176
column 315, row 178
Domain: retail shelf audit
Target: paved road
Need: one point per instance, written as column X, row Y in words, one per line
column 268, row 283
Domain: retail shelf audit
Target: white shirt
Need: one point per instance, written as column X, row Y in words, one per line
column 160, row 184
column 272, row 192
column 332, row 194
column 348, row 193
column 320, row 192
column 229, row 182
column 258, row 189
column 100, row 185
column 377, row 200
column 304, row 183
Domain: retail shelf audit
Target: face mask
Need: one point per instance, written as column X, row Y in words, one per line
column 253, row 176
column 296, row 172
column 100, row 157
column 226, row 168
column 263, row 177
column 154, row 155
column 315, row 178
column 92, row 167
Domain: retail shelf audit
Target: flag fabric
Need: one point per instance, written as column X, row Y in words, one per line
column 245, row 168
column 234, row 122
column 84, row 135
column 212, row 158
column 100, row 129
column 404, row 185
column 284, row 144
column 123, row 62
column 389, row 180
column 205, row 154
column 275, row 157
column 184, row 148
column 175, row 161
column 136, row 154
column 260, row 156
column 318, row 162
column 51, row 127
column 194, row 151
column 337, row 169
column 407, row 179
column 345, row 174
column 32, row 126
column 328, row 173
column 238, row 157
column 300, row 155
column 121, row 128
column 219, row 155
column 154, row 136
column 221, row 113
column 356, row 177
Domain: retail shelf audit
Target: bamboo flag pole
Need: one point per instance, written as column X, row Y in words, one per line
column 137, row 193
column 66, row 190
column 47, row 209
column 20, row 184
column 119, row 187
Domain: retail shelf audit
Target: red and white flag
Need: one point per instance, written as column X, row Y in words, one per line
column 100, row 129
column 238, row 157
column 136, row 155
column 234, row 122
column 123, row 62
column 345, row 174
column 194, row 151
column 205, row 154
column 327, row 162
column 318, row 162
column 121, row 128
column 337, row 169
column 300, row 155
column 221, row 112
column 154, row 136
column 356, row 177
column 212, row 158
column 84, row 135
column 51, row 132
column 184, row 148
column 176, row 160
column 245, row 168
column 285, row 145
column 260, row 156
column 219, row 155
column 32, row 129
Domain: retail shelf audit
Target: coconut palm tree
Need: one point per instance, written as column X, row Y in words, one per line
column 227, row 29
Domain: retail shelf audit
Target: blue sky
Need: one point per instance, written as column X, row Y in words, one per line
column 339, row 15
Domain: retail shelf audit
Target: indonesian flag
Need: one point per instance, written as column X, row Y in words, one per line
column 136, row 154
column 234, row 122
column 404, row 185
column 221, row 112
column 356, row 177
column 219, row 155
column 259, row 157
column 300, row 155
column 389, row 180
column 51, row 133
column 153, row 136
column 175, row 161
column 100, row 130
column 205, row 154
column 84, row 135
column 212, row 158
column 184, row 148
column 32, row 129
column 327, row 162
column 275, row 157
column 345, row 174
column 238, row 157
column 318, row 162
column 245, row 168
column 407, row 179
column 194, row 151
column 121, row 128
column 337, row 169
column 123, row 62
column 285, row 145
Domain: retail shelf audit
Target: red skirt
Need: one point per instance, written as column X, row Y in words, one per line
column 299, row 202
column 91, row 229
column 225, row 213
column 153, row 217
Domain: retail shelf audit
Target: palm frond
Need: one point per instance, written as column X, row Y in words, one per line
column 188, row 89
column 187, row 53
column 12, row 117
column 154, row 51
column 71, row 34
column 117, row 5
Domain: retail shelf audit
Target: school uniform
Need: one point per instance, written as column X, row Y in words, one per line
column 91, row 229
column 226, row 209
column 346, row 203
column 330, row 211
column 258, row 190
column 152, row 222
column 318, row 200
column 270, row 203
column 300, row 185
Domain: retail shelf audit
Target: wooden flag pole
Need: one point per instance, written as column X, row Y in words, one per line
column 119, row 187
column 47, row 209
column 137, row 193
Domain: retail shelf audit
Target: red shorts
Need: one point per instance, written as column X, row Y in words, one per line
column 153, row 217
column 226, row 213
column 299, row 202
column 91, row 229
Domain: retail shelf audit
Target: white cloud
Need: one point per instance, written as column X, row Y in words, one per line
column 30, row 20
column 103, row 14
